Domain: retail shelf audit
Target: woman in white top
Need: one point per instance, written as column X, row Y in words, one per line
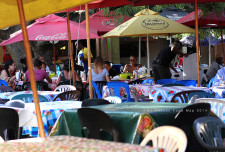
column 98, row 71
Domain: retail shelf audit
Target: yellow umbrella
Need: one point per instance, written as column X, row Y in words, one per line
column 33, row 9
column 148, row 22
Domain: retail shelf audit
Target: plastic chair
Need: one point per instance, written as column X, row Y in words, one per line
column 63, row 88
column 79, row 86
column 170, row 138
column 187, row 82
column 68, row 95
column 208, row 131
column 217, row 105
column 98, row 85
column 15, row 103
column 211, row 82
column 94, row 102
column 197, row 95
column 3, row 83
column 113, row 99
column 117, row 85
column 147, row 82
column 172, row 84
column 185, row 118
column 138, row 98
column 184, row 95
column 41, row 86
column 28, row 98
column 96, row 121
column 6, row 89
column 9, row 121
column 165, row 81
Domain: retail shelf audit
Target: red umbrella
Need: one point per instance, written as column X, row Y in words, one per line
column 203, row 21
column 51, row 28
column 103, row 24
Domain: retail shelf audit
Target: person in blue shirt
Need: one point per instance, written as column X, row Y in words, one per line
column 220, row 76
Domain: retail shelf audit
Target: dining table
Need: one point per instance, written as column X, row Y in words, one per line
column 133, row 120
column 71, row 144
column 218, row 91
column 50, row 112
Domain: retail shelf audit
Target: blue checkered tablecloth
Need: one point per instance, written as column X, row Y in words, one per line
column 50, row 111
column 50, row 95
column 165, row 94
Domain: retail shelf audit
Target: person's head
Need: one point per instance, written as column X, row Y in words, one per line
column 79, row 44
column 23, row 61
column 37, row 63
column 219, row 60
column 43, row 66
column 42, row 59
column 98, row 63
column 67, row 66
column 107, row 65
column 176, row 47
column 133, row 60
column 10, row 65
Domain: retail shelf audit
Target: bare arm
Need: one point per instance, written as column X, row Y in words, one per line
column 107, row 78
column 25, row 79
column 126, row 68
column 172, row 67
column 77, row 77
column 49, row 79
column 4, row 74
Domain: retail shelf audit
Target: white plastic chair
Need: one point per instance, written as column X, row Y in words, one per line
column 15, row 103
column 170, row 138
column 217, row 106
column 64, row 88
column 113, row 99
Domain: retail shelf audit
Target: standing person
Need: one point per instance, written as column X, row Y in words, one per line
column 82, row 55
column 132, row 66
column 66, row 73
column 8, row 73
column 42, row 59
column 98, row 71
column 162, row 63
column 40, row 75
column 112, row 72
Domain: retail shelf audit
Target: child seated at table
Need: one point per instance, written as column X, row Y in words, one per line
column 40, row 75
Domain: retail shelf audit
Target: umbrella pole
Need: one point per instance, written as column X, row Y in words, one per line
column 139, row 53
column 209, row 48
column 89, row 51
column 70, row 48
column 148, row 54
column 221, row 29
column 197, row 41
column 30, row 67
column 54, row 56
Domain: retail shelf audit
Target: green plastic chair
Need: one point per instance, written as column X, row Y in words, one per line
column 208, row 131
column 28, row 98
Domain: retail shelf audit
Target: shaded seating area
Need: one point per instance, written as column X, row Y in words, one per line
column 41, row 86
column 68, row 95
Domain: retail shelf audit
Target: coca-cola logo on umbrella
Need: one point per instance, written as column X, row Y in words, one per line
column 154, row 24
column 59, row 36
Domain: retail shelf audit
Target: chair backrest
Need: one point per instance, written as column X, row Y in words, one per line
column 9, row 119
column 79, row 85
column 208, row 131
column 148, row 82
column 116, row 85
column 165, row 81
column 172, row 84
column 183, row 96
column 187, row 82
column 94, row 102
column 28, row 98
column 3, row 83
column 6, row 89
column 15, row 103
column 97, row 89
column 170, row 138
column 200, row 95
column 113, row 99
column 41, row 86
column 63, row 88
column 95, row 121
column 68, row 95
column 217, row 106
column 211, row 82
column 138, row 81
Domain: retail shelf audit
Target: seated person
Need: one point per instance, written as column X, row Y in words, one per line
column 132, row 66
column 42, row 59
column 40, row 75
column 98, row 71
column 220, row 76
column 66, row 73
column 214, row 67
column 8, row 73
column 112, row 72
